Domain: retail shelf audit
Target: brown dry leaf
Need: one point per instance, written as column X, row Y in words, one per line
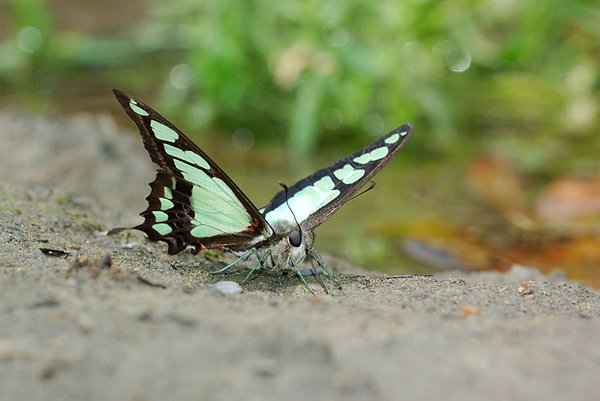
column 444, row 247
column 454, row 254
column 494, row 180
column 578, row 258
column 435, row 243
column 578, row 250
column 569, row 199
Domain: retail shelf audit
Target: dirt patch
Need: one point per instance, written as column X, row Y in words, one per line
column 95, row 317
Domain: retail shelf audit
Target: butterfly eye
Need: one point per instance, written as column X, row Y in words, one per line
column 295, row 238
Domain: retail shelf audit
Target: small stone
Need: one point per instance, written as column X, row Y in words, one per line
column 525, row 288
column 228, row 287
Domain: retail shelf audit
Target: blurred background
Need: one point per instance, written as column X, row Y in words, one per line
column 503, row 168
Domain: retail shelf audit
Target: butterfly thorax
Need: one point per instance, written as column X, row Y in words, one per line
column 287, row 248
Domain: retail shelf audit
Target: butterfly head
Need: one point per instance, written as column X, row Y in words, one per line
column 290, row 247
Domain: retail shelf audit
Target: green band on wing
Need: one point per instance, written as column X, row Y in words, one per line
column 363, row 159
column 175, row 152
column 162, row 132
column 166, row 204
column 355, row 176
column 379, row 153
column 348, row 174
column 197, row 159
column 195, row 175
column 213, row 185
column 392, row 139
column 162, row 228
column 215, row 211
column 343, row 172
column 187, row 156
column 372, row 156
column 324, row 184
column 137, row 109
column 216, row 208
column 204, row 231
column 160, row 216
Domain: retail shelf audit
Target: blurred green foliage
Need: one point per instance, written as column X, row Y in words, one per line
column 301, row 69
column 304, row 69
column 327, row 70
column 37, row 58
column 26, row 50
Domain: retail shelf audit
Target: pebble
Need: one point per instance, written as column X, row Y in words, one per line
column 228, row 287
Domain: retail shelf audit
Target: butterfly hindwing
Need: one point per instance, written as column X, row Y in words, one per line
column 316, row 197
column 192, row 201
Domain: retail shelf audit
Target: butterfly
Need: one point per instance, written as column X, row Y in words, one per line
column 194, row 204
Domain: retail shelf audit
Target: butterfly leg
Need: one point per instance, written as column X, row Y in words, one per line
column 316, row 272
column 315, row 257
column 242, row 257
column 301, row 276
column 254, row 267
column 261, row 258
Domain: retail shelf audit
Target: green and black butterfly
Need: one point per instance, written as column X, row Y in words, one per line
column 194, row 204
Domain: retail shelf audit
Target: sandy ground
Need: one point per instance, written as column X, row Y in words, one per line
column 116, row 318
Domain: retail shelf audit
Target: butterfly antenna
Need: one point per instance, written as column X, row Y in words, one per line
column 371, row 186
column 286, row 189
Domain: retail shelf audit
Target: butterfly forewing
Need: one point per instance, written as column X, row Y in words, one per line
column 192, row 202
column 316, row 197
